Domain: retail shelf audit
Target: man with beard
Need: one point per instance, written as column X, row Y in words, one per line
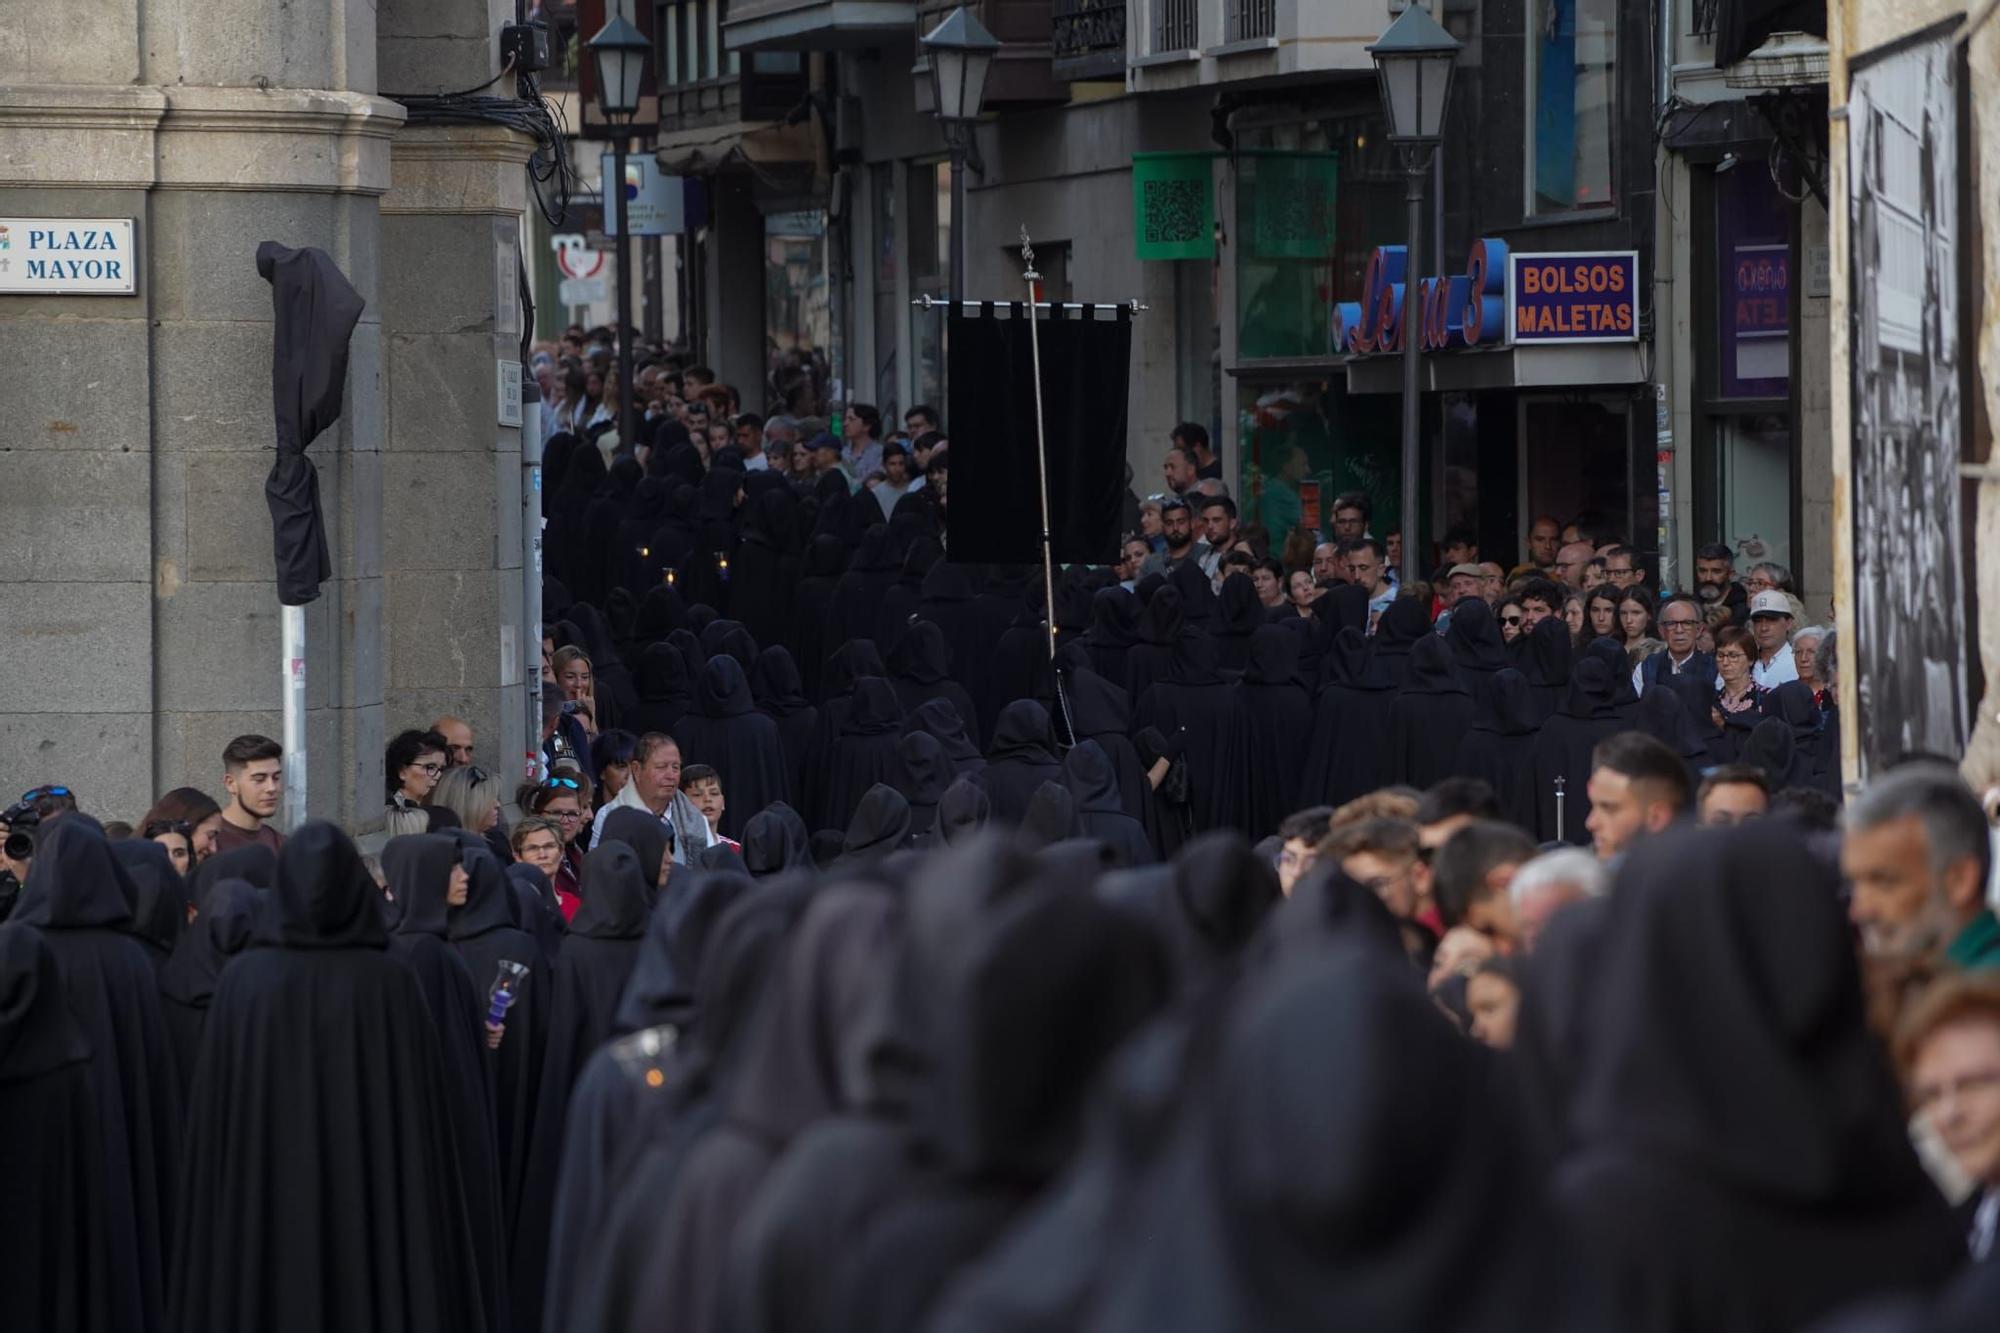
column 1918, row 855
column 1177, row 526
column 1715, row 581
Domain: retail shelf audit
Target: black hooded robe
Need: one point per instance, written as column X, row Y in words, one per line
column 780, row 693
column 188, row 979
column 323, row 1183
column 864, row 754
column 1100, row 807
column 1429, row 717
column 1562, row 750
column 1190, row 706
column 1021, row 758
column 938, row 718
column 920, row 667
column 1272, row 717
column 1498, row 747
column 741, row 744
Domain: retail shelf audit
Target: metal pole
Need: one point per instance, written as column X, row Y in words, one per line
column 1415, row 163
column 292, row 633
column 1031, row 277
column 626, row 439
column 957, row 134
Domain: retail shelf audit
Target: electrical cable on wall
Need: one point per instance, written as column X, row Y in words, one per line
column 551, row 172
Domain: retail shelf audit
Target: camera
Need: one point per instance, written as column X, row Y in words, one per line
column 21, row 820
column 571, row 707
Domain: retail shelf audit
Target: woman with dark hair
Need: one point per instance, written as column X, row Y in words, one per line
column 411, row 766
column 1739, row 703
column 611, row 763
column 1513, row 621
column 1600, row 614
column 1635, row 616
column 196, row 809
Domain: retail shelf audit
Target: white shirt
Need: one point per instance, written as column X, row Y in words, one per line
column 681, row 813
column 1781, row 668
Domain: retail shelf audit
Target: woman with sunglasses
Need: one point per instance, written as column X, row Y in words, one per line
column 1512, row 619
column 411, row 767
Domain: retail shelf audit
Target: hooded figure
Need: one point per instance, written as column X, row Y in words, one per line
column 780, row 692
column 728, row 638
column 881, row 824
column 1477, row 650
column 1161, row 627
column 1100, row 808
column 1662, row 717
column 1562, row 750
column 851, row 662
column 1696, row 692
column 1114, row 629
column 776, row 840
column 320, row 1126
column 941, row 719
column 1429, row 717
column 738, row 742
column 422, row 871
column 1021, row 758
column 1408, row 1205
column 1190, row 706
column 963, row 811
column 79, row 898
column 1784, row 743
column 189, row 978
column 865, row 753
column 1051, row 817
column 486, row 930
column 1239, row 615
column 920, row 669
column 1499, row 745
column 597, row 959
column 857, row 598
column 812, row 609
column 761, row 580
column 159, row 896
column 254, row 864
column 1272, row 716
column 55, row 1276
column 706, row 575
column 1100, row 711
column 1742, row 1160
column 926, row 773
column 666, row 694
column 610, row 1110
column 1546, row 652
column 1350, row 735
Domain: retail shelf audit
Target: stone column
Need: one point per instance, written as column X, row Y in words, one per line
column 141, row 618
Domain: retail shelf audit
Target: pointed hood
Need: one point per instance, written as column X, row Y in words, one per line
column 663, row 676
column 1092, row 780
column 1589, row 690
column 325, row 898
column 1274, row 657
column 920, row 654
column 159, row 903
column 724, row 690
column 876, row 710
column 776, row 840
column 1114, row 618
column 666, row 977
column 963, row 811
column 881, row 823
column 1051, row 815
column 1550, row 649
column 418, row 868
column 617, row 897
column 490, row 904
column 927, row 769
column 1239, row 612
column 642, row 831
column 775, row 683
column 1431, row 668
column 939, row 718
column 38, row 1033
column 1474, row 637
column 850, row 662
column 1023, row 732
column 75, row 881
column 1505, row 707
column 730, row 638
column 225, row 928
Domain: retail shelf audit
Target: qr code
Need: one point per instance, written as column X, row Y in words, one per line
column 1174, row 210
column 1293, row 209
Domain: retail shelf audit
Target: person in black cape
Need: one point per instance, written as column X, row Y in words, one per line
column 666, row 693
column 188, row 979
column 619, row 1094
column 1477, row 651
column 780, row 692
column 1272, row 716
column 1239, row 615
column 79, row 897
column 762, row 578
column 1662, row 717
column 857, row 598
column 1051, row 816
column 946, row 600
column 1162, row 624
column 776, row 840
column 1618, row 667
column 1198, row 603
column 1742, row 1160
column 880, row 826
column 1498, row 746
column 1350, row 735
column 1430, row 715
column 1696, row 692
column 1562, row 750
column 941, row 719
column 1101, row 711
column 906, row 594
column 1785, row 744
column 1100, row 808
column 920, row 668
column 812, row 609
column 54, row 1273
column 1021, row 758
column 705, row 575
column 803, row 1059
column 1407, row 1206
column 320, row 1129
column 254, row 864
column 598, row 955
column 485, row 931
column 864, row 753
column 926, row 772
column 850, row 663
column 159, row 902
column 963, row 810
column 741, row 744
column 1114, row 629
column 1190, row 706
column 539, row 910
column 622, row 1286
column 425, row 873
column 1546, row 653
column 728, row 638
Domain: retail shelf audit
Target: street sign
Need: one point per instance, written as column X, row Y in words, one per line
column 68, row 257
column 655, row 204
column 508, row 381
column 575, row 257
column 582, row 291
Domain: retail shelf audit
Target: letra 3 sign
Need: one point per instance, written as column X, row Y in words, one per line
column 1502, row 299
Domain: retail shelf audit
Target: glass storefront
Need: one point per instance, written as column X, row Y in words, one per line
column 798, row 319
column 1307, row 440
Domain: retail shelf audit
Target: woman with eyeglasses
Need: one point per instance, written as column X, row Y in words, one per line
column 1512, row 619
column 411, row 767
column 560, row 801
column 1738, row 702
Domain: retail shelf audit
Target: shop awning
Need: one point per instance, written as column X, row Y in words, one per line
column 1553, row 367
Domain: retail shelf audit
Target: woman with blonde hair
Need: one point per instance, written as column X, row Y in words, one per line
column 472, row 794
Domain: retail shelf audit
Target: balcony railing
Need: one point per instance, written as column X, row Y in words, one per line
column 1176, row 25
column 1251, row 19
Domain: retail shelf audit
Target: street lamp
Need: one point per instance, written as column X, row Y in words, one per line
column 620, row 51
column 961, row 53
column 1414, row 61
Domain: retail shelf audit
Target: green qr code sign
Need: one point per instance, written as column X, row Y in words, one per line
column 1173, row 206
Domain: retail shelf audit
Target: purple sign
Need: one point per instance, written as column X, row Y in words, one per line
column 1574, row 298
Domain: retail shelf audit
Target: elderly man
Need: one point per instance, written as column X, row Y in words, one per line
column 1771, row 627
column 1549, row 883
column 1571, row 562
column 458, row 743
column 1917, row 853
column 1327, row 566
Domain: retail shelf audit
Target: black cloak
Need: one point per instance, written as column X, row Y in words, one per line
column 1350, row 734
column 1021, row 758
column 926, row 772
column 880, row 825
column 540, row 910
column 597, row 959
column 1100, row 807
column 851, row 662
column 1272, row 717
column 1499, row 745
column 762, row 578
column 1697, row 695
column 1785, row 744
column 865, row 752
column 780, row 692
column 189, row 978
column 1742, row 1159
column 666, row 693
column 1114, row 629
column 253, row 864
column 314, row 309
column 1100, row 711
column 418, row 869
column 776, row 840
column 80, row 899
column 1562, row 750
column 1662, row 716
column 1190, row 706
column 323, row 1182
column 921, row 670
column 812, row 609
column 1477, row 650
column 1239, row 614
column 485, row 931
column 159, row 901
column 963, row 811
column 940, row 719
column 55, row 1273
column 1051, row 817
column 738, row 742
column 728, row 638
column 1429, row 717
column 1161, row 627
column 1546, row 652
column 857, row 598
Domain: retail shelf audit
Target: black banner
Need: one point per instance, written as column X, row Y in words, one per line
column 995, row 515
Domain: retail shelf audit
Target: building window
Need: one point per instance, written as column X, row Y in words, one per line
column 1252, row 19
column 1176, row 25
column 929, row 239
column 1572, row 62
column 797, row 314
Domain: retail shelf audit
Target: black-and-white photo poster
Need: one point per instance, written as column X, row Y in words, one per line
column 1910, row 641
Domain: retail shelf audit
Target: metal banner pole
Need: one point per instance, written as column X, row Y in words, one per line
column 1031, row 277
column 1559, row 809
column 292, row 632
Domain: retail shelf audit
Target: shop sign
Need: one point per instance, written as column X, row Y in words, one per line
column 1173, row 205
column 1760, row 291
column 68, row 257
column 655, row 203
column 1087, row 39
column 1586, row 297
column 1466, row 311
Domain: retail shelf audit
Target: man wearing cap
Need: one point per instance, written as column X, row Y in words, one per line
column 1771, row 627
column 1464, row 579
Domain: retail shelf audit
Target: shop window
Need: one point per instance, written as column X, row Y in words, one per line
column 1305, row 441
column 1572, row 65
column 1198, row 345
column 1753, row 240
column 1285, row 238
column 929, row 201
column 797, row 316
column 1578, row 457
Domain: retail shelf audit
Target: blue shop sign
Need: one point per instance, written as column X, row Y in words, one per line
column 1502, row 299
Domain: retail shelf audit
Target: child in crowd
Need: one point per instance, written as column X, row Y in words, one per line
column 703, row 786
